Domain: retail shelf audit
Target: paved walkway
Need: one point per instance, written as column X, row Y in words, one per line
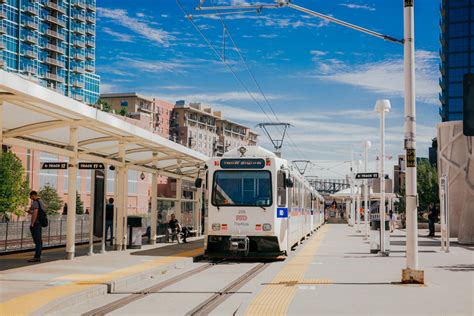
column 39, row 288
column 336, row 275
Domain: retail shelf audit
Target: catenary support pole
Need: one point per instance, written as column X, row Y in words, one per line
column 1, row 127
column 104, row 233
column 351, row 219
column 410, row 274
column 154, row 205
column 121, row 201
column 91, row 215
column 71, row 198
column 367, row 144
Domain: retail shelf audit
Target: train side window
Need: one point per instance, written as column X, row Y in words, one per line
column 281, row 189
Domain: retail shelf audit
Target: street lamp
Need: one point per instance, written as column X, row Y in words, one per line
column 367, row 145
column 358, row 192
column 381, row 107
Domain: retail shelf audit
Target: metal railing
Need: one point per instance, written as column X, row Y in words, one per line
column 15, row 236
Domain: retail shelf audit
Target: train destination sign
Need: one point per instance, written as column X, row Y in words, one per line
column 367, row 175
column 91, row 165
column 242, row 163
column 54, row 165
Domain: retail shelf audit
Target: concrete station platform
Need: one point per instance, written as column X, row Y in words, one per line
column 54, row 283
column 331, row 273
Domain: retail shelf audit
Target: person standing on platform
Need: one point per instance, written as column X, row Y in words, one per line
column 109, row 220
column 36, row 208
column 432, row 218
column 393, row 220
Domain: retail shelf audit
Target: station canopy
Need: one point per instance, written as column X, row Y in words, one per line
column 39, row 118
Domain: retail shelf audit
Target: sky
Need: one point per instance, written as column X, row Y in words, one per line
column 285, row 66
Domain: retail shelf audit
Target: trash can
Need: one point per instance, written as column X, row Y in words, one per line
column 375, row 236
column 134, row 224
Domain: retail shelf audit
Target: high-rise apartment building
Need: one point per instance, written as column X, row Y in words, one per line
column 53, row 42
column 457, row 54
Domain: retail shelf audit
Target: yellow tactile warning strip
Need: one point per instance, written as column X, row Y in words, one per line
column 276, row 296
column 28, row 303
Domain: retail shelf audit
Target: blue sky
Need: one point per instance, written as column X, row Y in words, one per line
column 320, row 77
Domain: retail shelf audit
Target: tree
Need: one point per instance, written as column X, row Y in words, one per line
column 123, row 111
column 79, row 204
column 13, row 185
column 401, row 204
column 428, row 190
column 104, row 106
column 50, row 197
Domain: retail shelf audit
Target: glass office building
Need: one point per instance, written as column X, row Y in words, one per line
column 52, row 42
column 457, row 54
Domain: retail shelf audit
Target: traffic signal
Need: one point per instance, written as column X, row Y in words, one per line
column 468, row 105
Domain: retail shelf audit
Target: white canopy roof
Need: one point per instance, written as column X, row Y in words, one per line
column 346, row 194
column 39, row 118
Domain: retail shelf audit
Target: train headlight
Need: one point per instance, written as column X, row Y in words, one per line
column 216, row 227
column 267, row 227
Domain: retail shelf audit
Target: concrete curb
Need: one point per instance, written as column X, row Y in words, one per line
column 113, row 286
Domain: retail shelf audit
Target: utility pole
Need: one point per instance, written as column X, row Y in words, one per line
column 410, row 274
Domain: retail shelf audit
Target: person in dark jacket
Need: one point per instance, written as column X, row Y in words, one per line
column 432, row 218
column 37, row 206
column 109, row 220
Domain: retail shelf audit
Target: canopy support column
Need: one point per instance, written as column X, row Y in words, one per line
column 1, row 127
column 179, row 194
column 154, row 205
column 198, row 210
column 71, row 202
column 122, row 197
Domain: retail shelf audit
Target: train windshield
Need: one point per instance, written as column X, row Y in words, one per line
column 242, row 188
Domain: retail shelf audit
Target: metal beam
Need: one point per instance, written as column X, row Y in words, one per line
column 35, row 128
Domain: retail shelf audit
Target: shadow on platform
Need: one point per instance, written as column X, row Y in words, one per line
column 458, row 267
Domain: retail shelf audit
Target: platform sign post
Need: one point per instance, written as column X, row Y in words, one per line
column 444, row 212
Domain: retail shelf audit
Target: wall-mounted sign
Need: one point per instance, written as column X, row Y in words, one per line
column 91, row 165
column 367, row 175
column 242, row 163
column 411, row 158
column 54, row 165
column 282, row 212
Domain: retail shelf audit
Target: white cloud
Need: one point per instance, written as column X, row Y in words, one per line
column 121, row 18
column 121, row 37
column 385, row 77
column 268, row 35
column 176, row 87
column 208, row 98
column 317, row 52
column 357, row 6
column 107, row 87
column 141, row 65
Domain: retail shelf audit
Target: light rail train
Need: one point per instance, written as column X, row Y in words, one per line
column 259, row 205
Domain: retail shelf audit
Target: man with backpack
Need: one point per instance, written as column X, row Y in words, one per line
column 38, row 221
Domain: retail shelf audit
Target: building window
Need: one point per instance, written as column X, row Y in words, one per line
column 458, row 15
column 458, row 29
column 458, row 44
column 49, row 177
column 458, row 60
column 455, row 90
column 132, row 181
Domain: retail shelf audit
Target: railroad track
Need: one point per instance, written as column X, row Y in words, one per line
column 204, row 308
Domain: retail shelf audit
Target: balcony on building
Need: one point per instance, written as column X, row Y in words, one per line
column 54, row 6
column 55, row 35
column 30, row 54
column 79, row 4
column 90, row 30
column 90, row 43
column 79, row 56
column 30, row 10
column 54, row 48
column 54, row 77
column 90, row 56
column 31, row 25
column 55, row 20
column 442, row 98
column 90, row 68
column 3, row 15
column 80, row 44
column 30, row 40
column 30, row 70
column 91, row 6
column 78, row 84
column 54, row 62
column 79, row 30
column 78, row 97
column 442, row 84
column 79, row 17
column 90, row 19
column 78, row 70
column 442, row 69
column 3, row 30
column 2, row 45
column 442, row 40
column 442, row 55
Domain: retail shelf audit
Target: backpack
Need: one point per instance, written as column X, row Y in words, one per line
column 42, row 217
